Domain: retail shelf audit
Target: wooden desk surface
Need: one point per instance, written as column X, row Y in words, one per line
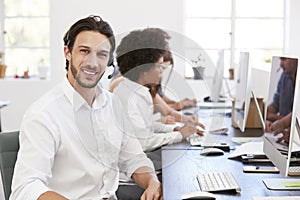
column 180, row 168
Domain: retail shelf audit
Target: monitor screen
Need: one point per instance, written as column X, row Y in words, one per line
column 242, row 93
column 218, row 78
column 280, row 103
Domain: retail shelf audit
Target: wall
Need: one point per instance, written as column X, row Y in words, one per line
column 293, row 29
column 124, row 16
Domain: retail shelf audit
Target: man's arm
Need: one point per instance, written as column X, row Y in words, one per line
column 272, row 113
column 161, row 106
column 283, row 123
column 146, row 178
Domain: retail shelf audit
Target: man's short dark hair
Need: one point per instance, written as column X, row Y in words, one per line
column 91, row 23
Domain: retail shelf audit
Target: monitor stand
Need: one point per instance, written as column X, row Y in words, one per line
column 282, row 183
column 249, row 132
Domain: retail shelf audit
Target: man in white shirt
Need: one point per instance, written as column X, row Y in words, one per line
column 71, row 146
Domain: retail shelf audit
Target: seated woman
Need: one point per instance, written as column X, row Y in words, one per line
column 140, row 56
column 167, row 107
column 177, row 105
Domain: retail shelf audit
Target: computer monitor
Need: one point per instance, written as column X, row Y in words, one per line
column 217, row 79
column 282, row 155
column 242, row 93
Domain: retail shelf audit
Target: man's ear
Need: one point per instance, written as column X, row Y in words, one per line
column 67, row 53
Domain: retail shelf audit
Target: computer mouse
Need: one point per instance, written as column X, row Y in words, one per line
column 198, row 195
column 211, row 152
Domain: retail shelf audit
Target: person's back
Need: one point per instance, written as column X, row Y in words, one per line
column 137, row 102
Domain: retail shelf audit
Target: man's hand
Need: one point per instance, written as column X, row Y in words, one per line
column 187, row 103
column 153, row 191
column 268, row 126
column 286, row 135
column 146, row 178
column 192, row 119
column 169, row 119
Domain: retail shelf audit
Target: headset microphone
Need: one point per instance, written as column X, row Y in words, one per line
column 111, row 75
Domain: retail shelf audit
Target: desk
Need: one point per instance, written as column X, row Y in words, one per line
column 181, row 163
column 181, row 166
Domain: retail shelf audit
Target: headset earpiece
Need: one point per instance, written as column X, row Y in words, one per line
column 111, row 75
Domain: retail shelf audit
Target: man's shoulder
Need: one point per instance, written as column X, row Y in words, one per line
column 46, row 100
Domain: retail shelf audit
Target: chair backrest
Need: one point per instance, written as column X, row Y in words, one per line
column 9, row 147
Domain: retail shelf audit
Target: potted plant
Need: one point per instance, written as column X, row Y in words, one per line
column 2, row 66
column 198, row 67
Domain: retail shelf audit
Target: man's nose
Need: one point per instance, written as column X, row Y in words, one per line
column 92, row 59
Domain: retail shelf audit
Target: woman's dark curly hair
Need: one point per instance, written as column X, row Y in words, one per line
column 139, row 51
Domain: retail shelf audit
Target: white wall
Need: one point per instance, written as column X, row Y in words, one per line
column 123, row 16
column 293, row 28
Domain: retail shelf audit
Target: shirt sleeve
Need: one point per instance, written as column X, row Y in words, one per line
column 154, row 135
column 140, row 117
column 276, row 96
column 131, row 155
column 35, row 159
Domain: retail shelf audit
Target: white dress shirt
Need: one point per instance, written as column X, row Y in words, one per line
column 75, row 150
column 138, row 105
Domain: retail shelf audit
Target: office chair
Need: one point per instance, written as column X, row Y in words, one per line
column 9, row 147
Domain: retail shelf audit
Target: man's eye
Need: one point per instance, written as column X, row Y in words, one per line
column 84, row 51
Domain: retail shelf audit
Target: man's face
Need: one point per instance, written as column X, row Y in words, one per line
column 89, row 58
column 288, row 65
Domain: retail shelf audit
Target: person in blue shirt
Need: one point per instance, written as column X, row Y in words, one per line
column 280, row 110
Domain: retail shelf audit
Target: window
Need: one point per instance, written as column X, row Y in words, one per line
column 25, row 28
column 256, row 26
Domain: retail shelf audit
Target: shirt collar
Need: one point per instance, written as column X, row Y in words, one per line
column 78, row 101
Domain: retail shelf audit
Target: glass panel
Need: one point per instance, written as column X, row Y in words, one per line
column 208, row 8
column 259, row 8
column 253, row 33
column 26, row 7
column 260, row 58
column 209, row 33
column 20, row 60
column 30, row 32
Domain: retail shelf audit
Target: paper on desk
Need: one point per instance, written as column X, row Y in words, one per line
column 241, row 140
column 255, row 148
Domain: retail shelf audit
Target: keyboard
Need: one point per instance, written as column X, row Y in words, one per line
column 196, row 141
column 294, row 171
column 218, row 181
column 227, row 104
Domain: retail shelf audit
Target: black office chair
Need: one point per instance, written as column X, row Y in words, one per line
column 9, row 147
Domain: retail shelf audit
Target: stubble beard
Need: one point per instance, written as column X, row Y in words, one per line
column 77, row 77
